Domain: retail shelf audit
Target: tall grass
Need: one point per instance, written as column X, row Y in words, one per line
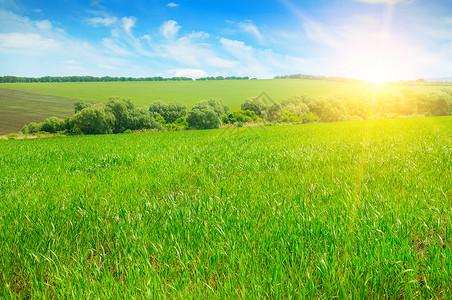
column 347, row 210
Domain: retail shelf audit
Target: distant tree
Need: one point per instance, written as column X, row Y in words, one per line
column 157, row 108
column 440, row 104
column 243, row 116
column 34, row 127
column 170, row 112
column 123, row 110
column 53, row 125
column 299, row 109
column 141, row 119
column 274, row 112
column 203, row 116
column 255, row 104
column 96, row 119
column 290, row 117
column 81, row 104
column 174, row 111
column 182, row 122
column 310, row 118
column 332, row 113
column 217, row 105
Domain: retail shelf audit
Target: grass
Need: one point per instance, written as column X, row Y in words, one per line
column 18, row 108
column 347, row 210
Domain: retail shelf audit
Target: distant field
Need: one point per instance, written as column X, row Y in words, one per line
column 357, row 210
column 232, row 92
column 18, row 108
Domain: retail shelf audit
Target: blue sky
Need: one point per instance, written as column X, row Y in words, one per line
column 365, row 39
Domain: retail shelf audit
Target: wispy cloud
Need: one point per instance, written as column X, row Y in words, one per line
column 43, row 25
column 169, row 29
column 116, row 47
column 385, row 1
column 172, row 4
column 98, row 21
column 128, row 23
column 192, row 73
column 96, row 2
column 27, row 42
column 250, row 28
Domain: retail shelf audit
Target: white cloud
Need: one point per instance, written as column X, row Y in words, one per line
column 28, row 42
column 192, row 73
column 382, row 1
column 198, row 35
column 251, row 62
column 236, row 48
column 105, row 66
column 222, row 63
column 250, row 28
column 316, row 32
column 365, row 46
column 43, row 25
column 96, row 3
column 10, row 22
column 188, row 52
column 262, row 63
column 106, row 21
column 172, row 4
column 169, row 29
column 116, row 48
column 128, row 23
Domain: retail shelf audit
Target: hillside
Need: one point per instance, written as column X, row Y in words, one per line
column 22, row 108
column 18, row 108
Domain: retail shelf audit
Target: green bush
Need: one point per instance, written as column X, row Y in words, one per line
column 53, row 125
column 203, row 116
column 12, row 136
column 290, row 117
column 96, row 119
column 256, row 105
column 169, row 112
column 311, row 117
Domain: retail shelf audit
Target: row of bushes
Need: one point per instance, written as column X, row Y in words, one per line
column 119, row 115
column 116, row 116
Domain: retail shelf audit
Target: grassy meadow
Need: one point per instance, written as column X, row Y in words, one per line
column 347, row 210
column 22, row 103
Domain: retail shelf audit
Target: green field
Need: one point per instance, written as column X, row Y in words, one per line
column 18, row 109
column 232, row 92
column 338, row 210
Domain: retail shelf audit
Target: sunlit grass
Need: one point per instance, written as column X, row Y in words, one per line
column 349, row 210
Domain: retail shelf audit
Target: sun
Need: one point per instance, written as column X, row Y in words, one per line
column 377, row 71
column 376, row 76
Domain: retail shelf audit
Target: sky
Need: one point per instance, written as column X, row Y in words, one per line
column 363, row 39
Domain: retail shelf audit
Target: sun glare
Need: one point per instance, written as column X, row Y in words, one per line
column 377, row 72
column 376, row 76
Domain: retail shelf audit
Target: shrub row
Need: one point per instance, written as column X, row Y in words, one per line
column 120, row 115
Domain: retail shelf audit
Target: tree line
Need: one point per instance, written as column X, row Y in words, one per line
column 417, row 82
column 15, row 79
column 317, row 77
column 223, row 78
column 121, row 115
